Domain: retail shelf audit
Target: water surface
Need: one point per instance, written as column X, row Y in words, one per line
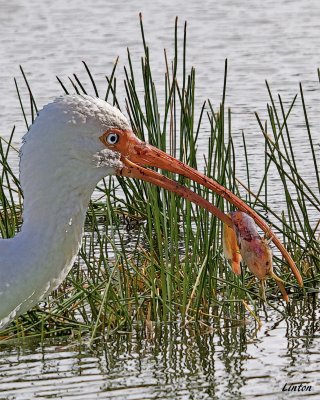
column 229, row 361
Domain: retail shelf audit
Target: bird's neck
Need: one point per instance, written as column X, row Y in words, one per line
column 38, row 258
column 54, row 210
column 53, row 220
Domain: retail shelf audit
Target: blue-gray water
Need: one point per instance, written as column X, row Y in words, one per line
column 235, row 362
column 273, row 40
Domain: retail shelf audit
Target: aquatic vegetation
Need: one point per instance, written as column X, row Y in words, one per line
column 150, row 256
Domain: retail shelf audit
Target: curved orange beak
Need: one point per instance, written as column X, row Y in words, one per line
column 136, row 154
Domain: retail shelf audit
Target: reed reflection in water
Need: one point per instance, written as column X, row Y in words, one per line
column 233, row 360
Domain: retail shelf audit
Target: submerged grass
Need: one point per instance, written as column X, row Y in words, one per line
column 150, row 256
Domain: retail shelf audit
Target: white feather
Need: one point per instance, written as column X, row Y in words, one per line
column 62, row 160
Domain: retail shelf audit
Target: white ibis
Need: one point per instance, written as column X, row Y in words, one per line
column 74, row 142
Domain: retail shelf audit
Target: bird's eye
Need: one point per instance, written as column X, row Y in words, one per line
column 112, row 138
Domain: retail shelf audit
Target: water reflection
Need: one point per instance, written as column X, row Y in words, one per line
column 167, row 362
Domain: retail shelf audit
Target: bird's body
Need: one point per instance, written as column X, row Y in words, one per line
column 73, row 143
column 58, row 173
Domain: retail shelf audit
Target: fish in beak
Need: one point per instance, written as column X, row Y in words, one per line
column 136, row 155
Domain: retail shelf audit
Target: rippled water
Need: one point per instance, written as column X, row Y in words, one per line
column 231, row 361
column 277, row 41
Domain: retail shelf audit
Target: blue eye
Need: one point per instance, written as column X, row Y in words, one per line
column 112, row 138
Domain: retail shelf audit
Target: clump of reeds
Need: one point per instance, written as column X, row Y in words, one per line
column 148, row 255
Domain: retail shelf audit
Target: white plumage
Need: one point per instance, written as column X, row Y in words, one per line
column 62, row 160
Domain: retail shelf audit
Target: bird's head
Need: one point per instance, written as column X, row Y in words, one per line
column 76, row 140
column 85, row 139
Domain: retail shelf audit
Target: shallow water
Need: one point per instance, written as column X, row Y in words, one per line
column 277, row 41
column 233, row 360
